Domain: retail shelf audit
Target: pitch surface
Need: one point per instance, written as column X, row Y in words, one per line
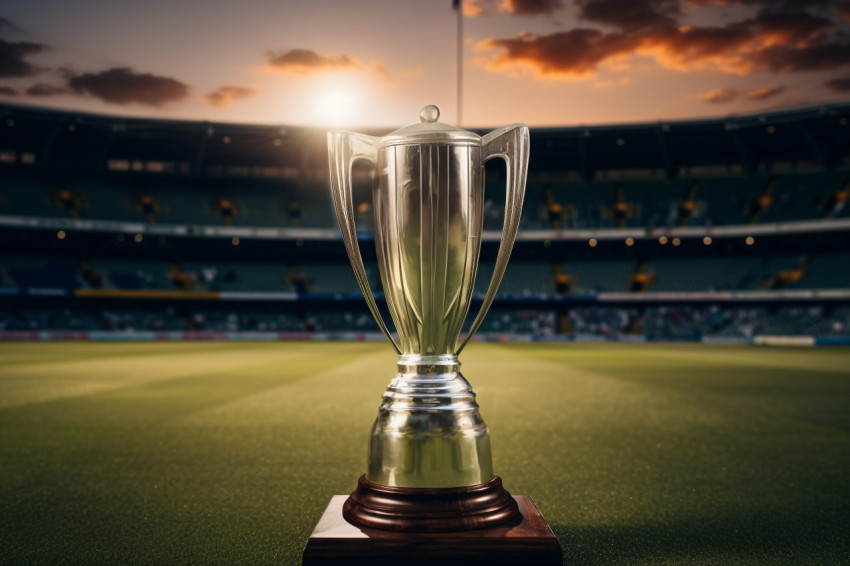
column 227, row 453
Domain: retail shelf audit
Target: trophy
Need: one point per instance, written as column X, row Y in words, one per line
column 429, row 466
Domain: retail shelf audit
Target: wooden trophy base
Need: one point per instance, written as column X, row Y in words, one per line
column 430, row 510
column 529, row 540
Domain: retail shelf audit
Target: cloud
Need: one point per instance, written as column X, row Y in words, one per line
column 818, row 57
column 7, row 24
column 841, row 84
column 13, row 55
column 307, row 62
column 765, row 92
column 472, row 8
column 42, row 89
column 772, row 40
column 124, row 86
column 842, row 8
column 530, row 7
column 9, row 91
column 775, row 27
column 380, row 68
column 718, row 95
column 784, row 5
column 414, row 72
column 223, row 96
column 611, row 83
column 569, row 54
column 692, row 48
column 630, row 14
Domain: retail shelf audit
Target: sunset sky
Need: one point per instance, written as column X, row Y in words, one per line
column 376, row 62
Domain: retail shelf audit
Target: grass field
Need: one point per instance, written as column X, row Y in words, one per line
column 227, row 453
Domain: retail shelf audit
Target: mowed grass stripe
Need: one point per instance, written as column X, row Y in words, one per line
column 629, row 470
column 99, row 369
column 24, row 353
column 781, row 382
column 148, row 484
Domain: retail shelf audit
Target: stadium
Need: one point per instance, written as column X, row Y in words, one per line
column 728, row 231
column 188, row 368
column 731, row 230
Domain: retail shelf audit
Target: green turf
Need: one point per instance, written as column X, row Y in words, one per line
column 226, row 453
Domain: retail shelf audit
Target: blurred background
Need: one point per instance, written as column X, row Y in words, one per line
column 163, row 167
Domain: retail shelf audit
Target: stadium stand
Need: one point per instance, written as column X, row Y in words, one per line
column 727, row 228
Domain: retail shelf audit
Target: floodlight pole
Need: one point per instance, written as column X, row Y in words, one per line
column 459, row 8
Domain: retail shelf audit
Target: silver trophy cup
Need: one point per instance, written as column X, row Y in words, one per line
column 428, row 200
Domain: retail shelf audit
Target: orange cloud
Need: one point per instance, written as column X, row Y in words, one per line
column 223, row 96
column 611, row 83
column 380, row 68
column 530, row 7
column 771, row 41
column 694, row 48
column 414, row 72
column 765, row 92
column 472, row 8
column 307, row 62
column 571, row 54
column 718, row 95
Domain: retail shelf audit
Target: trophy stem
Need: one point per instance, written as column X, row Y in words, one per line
column 429, row 432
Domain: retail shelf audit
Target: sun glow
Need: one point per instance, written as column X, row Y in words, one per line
column 336, row 104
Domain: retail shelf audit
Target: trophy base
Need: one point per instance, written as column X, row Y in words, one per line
column 429, row 510
column 335, row 542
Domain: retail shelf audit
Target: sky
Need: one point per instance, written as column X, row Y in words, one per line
column 374, row 63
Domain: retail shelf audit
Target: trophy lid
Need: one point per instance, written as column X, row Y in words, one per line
column 429, row 130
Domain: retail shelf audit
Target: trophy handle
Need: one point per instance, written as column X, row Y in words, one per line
column 344, row 148
column 511, row 143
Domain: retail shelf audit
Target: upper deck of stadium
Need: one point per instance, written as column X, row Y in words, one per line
column 811, row 137
column 762, row 168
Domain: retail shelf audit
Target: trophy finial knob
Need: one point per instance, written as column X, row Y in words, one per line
column 429, row 113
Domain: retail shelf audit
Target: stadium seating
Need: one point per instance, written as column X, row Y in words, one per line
column 212, row 319
column 239, row 276
column 521, row 278
column 275, row 178
column 647, row 203
column 154, row 317
column 603, row 275
column 826, row 271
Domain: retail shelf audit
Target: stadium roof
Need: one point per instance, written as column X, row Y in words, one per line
column 812, row 137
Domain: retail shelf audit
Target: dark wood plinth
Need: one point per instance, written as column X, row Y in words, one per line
column 335, row 542
column 430, row 510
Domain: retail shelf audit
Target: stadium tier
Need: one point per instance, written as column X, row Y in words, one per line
column 660, row 203
column 729, row 228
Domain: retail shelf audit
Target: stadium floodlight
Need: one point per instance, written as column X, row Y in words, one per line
column 429, row 465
